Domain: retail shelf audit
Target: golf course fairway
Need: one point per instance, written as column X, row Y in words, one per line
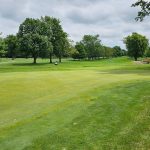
column 77, row 105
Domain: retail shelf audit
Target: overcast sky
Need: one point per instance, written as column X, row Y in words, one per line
column 111, row 19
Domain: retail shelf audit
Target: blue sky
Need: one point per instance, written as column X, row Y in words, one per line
column 111, row 19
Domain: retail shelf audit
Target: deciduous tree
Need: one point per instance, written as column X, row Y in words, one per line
column 136, row 45
column 80, row 54
column 117, row 51
column 47, row 23
column 32, row 38
column 92, row 45
column 59, row 39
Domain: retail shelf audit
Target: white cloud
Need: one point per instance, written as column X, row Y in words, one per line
column 111, row 19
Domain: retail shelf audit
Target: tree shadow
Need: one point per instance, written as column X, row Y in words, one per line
column 30, row 64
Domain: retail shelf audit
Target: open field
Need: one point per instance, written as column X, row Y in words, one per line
column 77, row 105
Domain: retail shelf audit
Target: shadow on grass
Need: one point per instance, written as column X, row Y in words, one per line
column 31, row 64
column 140, row 70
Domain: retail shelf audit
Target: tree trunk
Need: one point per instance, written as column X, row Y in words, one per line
column 34, row 60
column 13, row 58
column 60, row 59
column 135, row 58
column 50, row 59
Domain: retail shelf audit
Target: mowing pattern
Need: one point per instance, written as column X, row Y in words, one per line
column 76, row 105
column 112, row 121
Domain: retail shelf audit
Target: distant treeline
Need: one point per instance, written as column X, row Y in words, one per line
column 90, row 47
column 45, row 38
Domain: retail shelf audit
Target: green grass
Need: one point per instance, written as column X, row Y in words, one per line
column 77, row 105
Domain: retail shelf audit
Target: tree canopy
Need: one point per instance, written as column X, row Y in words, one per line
column 147, row 52
column 117, row 51
column 11, row 46
column 35, row 37
column 90, row 47
column 59, row 39
column 43, row 37
column 2, row 47
column 136, row 45
column 46, row 38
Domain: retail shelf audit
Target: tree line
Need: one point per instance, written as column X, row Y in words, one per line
column 45, row 38
column 42, row 37
column 90, row 47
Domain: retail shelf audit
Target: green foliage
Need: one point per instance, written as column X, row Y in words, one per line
column 89, row 47
column 2, row 47
column 12, row 46
column 48, row 32
column 117, row 51
column 92, row 46
column 59, row 40
column 34, row 37
column 80, row 52
column 124, row 52
column 69, row 48
column 147, row 52
column 108, row 52
column 136, row 45
column 2, row 53
column 75, row 54
column 145, row 9
column 43, row 38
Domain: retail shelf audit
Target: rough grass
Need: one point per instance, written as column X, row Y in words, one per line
column 75, row 105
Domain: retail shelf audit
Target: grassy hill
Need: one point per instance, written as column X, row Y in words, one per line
column 77, row 105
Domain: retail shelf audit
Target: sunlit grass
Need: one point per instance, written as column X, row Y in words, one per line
column 75, row 105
